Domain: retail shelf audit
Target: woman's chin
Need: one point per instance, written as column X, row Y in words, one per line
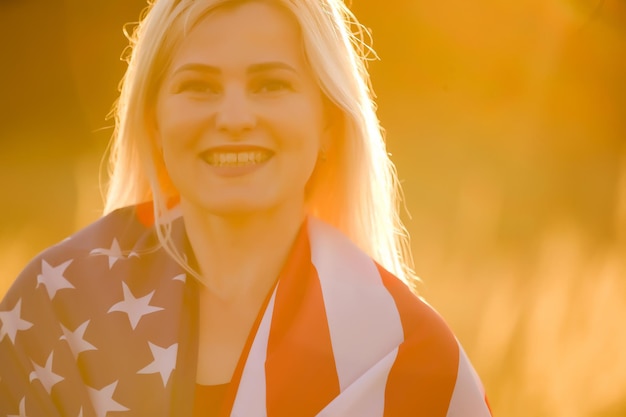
column 245, row 206
column 237, row 208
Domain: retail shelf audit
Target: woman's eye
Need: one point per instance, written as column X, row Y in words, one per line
column 198, row 86
column 273, row 86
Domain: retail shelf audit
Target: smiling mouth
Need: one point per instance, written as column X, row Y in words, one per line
column 236, row 159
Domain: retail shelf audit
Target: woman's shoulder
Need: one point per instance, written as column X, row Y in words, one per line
column 93, row 250
column 122, row 226
column 431, row 372
column 419, row 318
column 371, row 311
column 344, row 265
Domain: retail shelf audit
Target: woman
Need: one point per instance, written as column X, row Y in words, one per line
column 251, row 258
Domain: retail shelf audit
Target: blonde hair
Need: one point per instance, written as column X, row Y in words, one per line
column 358, row 190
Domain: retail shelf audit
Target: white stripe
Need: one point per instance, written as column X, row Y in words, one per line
column 250, row 400
column 366, row 396
column 468, row 397
column 363, row 320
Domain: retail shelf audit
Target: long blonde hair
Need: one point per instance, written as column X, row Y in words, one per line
column 358, row 191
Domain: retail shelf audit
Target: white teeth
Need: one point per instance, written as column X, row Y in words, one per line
column 237, row 158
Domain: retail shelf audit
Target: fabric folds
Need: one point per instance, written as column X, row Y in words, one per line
column 105, row 324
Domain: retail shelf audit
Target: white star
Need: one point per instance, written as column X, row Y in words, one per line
column 12, row 322
column 136, row 308
column 80, row 412
column 52, row 277
column 103, row 401
column 114, row 253
column 180, row 277
column 22, row 409
column 76, row 339
column 45, row 375
column 164, row 361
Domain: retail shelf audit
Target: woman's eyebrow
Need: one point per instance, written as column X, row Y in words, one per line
column 252, row 69
column 197, row 67
column 268, row 66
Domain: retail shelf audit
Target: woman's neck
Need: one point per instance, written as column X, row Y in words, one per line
column 240, row 257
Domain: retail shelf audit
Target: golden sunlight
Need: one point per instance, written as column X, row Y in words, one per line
column 507, row 123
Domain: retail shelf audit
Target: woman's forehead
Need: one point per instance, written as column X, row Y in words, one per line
column 249, row 33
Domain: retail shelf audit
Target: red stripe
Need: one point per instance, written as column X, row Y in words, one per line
column 423, row 376
column 300, row 368
column 145, row 214
column 145, row 211
column 488, row 405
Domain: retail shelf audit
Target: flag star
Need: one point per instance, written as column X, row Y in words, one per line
column 52, row 277
column 164, row 361
column 134, row 307
column 12, row 322
column 76, row 339
column 45, row 375
column 180, row 277
column 103, row 401
column 114, row 253
column 22, row 409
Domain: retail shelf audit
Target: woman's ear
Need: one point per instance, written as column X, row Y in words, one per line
column 158, row 142
column 331, row 119
column 322, row 154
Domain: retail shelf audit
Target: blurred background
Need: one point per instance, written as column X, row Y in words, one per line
column 507, row 122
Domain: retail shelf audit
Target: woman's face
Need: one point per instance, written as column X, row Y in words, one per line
column 239, row 117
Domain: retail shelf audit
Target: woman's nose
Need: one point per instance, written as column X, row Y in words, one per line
column 234, row 113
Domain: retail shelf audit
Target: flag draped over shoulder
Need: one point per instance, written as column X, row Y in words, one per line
column 105, row 324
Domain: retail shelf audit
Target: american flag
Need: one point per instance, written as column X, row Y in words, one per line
column 105, row 323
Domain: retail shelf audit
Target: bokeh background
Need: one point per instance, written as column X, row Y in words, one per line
column 507, row 122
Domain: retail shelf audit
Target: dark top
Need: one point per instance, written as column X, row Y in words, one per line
column 209, row 399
